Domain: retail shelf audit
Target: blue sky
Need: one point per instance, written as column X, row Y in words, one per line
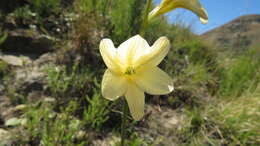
column 219, row 11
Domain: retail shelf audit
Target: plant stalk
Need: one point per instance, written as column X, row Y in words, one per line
column 123, row 124
column 145, row 18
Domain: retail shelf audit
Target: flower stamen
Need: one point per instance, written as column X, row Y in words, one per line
column 130, row 71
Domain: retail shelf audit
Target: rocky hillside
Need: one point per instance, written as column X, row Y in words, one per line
column 238, row 34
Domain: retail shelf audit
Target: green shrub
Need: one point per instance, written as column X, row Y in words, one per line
column 3, row 37
column 126, row 16
column 122, row 17
column 197, row 74
column 51, row 128
column 188, row 50
column 23, row 13
column 92, row 6
column 66, row 81
column 45, row 7
column 160, row 27
column 196, row 51
column 96, row 113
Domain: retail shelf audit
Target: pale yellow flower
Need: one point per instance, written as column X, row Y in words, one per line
column 132, row 70
column 169, row 5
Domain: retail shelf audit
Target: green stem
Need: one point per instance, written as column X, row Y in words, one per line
column 145, row 18
column 123, row 124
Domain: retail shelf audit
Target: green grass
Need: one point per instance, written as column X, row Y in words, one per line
column 241, row 75
column 233, row 121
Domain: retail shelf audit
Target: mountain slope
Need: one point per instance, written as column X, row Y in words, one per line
column 239, row 34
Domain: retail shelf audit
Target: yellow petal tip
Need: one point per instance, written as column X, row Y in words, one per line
column 203, row 21
column 204, row 16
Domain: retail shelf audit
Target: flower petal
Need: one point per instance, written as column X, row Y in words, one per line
column 131, row 48
column 169, row 5
column 154, row 55
column 154, row 81
column 135, row 99
column 196, row 7
column 113, row 86
column 109, row 55
column 203, row 16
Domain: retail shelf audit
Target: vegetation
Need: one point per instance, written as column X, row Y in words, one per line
column 3, row 68
column 241, row 75
column 217, row 94
column 45, row 7
column 224, row 122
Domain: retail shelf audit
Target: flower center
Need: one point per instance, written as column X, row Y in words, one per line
column 129, row 71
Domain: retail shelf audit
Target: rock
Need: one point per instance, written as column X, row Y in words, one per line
column 49, row 100
column 46, row 59
column 12, row 60
column 110, row 140
column 34, row 96
column 15, row 122
column 5, row 110
column 5, row 138
column 20, row 107
column 27, row 41
column 114, row 140
column 29, row 74
column 8, row 111
column 3, row 133
column 80, row 135
column 1, row 89
column 75, row 123
column 161, row 126
column 29, row 81
column 10, row 5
